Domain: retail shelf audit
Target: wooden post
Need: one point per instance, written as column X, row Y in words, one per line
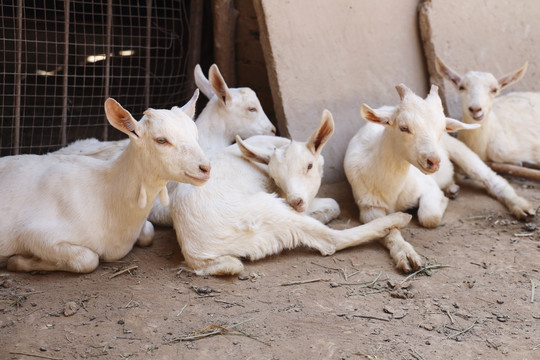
column 195, row 36
column 225, row 16
column 515, row 170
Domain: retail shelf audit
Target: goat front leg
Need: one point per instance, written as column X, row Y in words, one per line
column 57, row 257
column 431, row 206
column 403, row 253
column 496, row 185
column 324, row 209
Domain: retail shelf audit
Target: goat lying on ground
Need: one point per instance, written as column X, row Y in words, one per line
column 510, row 131
column 237, row 214
column 65, row 212
column 378, row 166
column 229, row 112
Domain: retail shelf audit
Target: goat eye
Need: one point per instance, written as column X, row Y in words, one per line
column 252, row 109
column 162, row 141
column 461, row 88
column 494, row 90
column 404, row 129
column 310, row 166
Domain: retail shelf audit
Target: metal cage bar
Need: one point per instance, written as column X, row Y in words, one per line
column 62, row 59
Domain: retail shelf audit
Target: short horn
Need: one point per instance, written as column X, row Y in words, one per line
column 403, row 91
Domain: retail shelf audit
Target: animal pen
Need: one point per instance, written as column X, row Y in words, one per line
column 62, row 59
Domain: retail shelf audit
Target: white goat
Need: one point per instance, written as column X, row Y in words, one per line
column 237, row 214
column 229, row 112
column 65, row 212
column 378, row 166
column 510, row 131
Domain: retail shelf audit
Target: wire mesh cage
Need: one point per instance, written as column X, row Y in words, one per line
column 62, row 59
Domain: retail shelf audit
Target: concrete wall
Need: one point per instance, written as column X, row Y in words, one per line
column 337, row 55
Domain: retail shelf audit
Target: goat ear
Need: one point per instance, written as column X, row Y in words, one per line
column 322, row 134
column 381, row 116
column 453, row 125
column 189, row 108
column 202, row 82
column 121, row 119
column 513, row 77
column 252, row 153
column 219, row 85
column 447, row 72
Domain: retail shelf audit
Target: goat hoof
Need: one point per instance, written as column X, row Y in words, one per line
column 452, row 191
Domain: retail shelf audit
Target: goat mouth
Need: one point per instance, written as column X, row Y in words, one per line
column 198, row 179
column 427, row 170
column 478, row 117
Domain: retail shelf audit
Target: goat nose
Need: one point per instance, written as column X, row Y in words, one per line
column 474, row 109
column 297, row 204
column 433, row 162
column 205, row 168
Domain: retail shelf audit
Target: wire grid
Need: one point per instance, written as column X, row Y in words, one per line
column 52, row 93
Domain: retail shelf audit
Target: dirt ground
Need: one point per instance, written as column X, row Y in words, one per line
column 298, row 305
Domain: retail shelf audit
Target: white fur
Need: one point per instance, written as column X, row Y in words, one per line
column 229, row 112
column 65, row 212
column 238, row 214
column 510, row 131
column 378, row 166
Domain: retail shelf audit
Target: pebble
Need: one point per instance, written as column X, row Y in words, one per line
column 204, row 290
column 529, row 226
column 121, row 322
column 334, row 284
column 243, row 277
column 70, row 308
column 43, row 348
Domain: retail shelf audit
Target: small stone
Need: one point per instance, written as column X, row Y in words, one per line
column 204, row 290
column 459, row 339
column 236, row 342
column 243, row 277
column 529, row 226
column 70, row 308
column 121, row 322
column 500, row 301
column 43, row 348
column 388, row 309
column 334, row 284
